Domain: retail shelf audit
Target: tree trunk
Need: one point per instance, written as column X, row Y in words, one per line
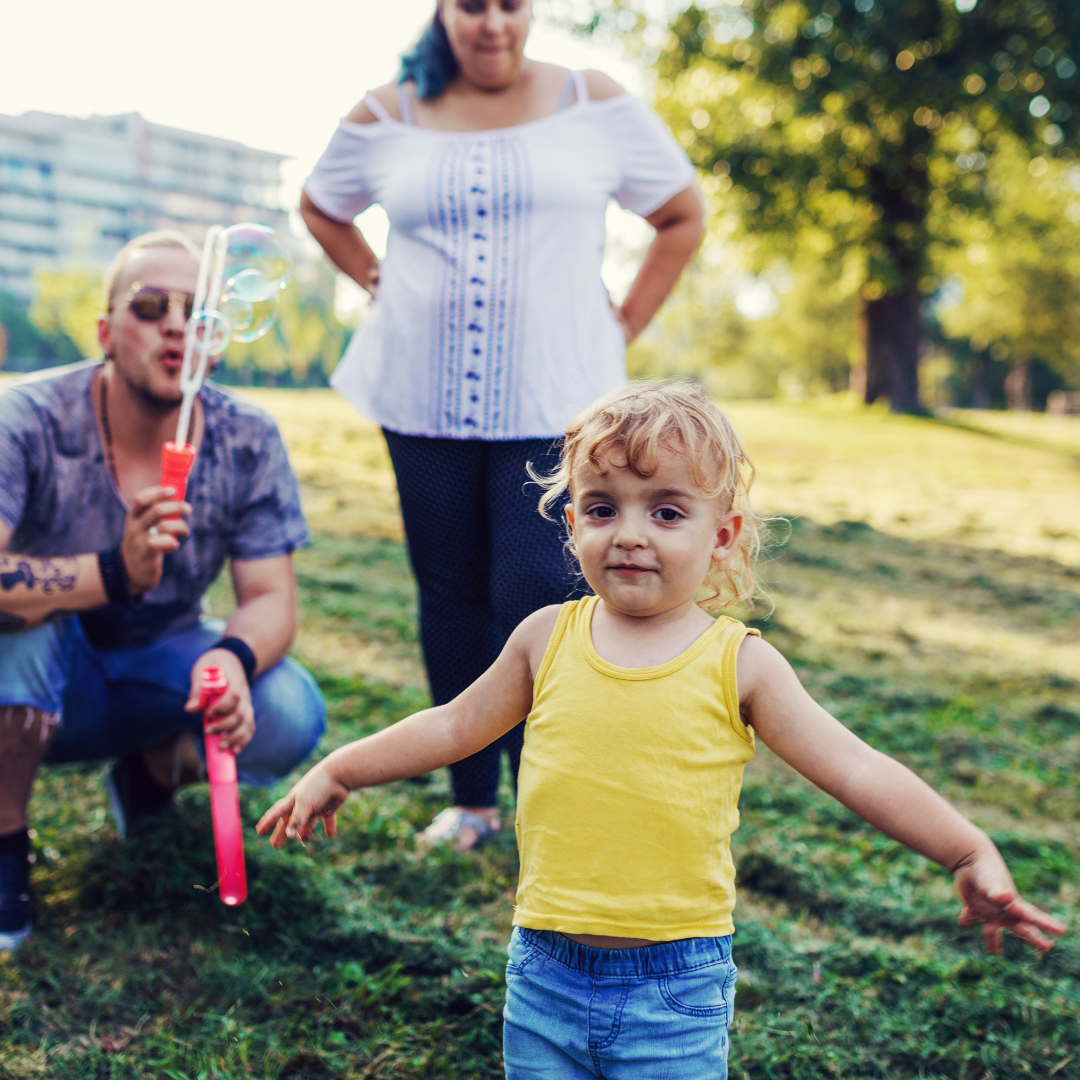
column 1018, row 387
column 980, row 396
column 892, row 335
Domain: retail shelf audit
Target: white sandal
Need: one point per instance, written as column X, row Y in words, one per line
column 449, row 823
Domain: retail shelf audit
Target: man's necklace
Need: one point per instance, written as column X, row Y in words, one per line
column 110, row 458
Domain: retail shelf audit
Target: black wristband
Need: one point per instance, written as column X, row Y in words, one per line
column 242, row 651
column 115, row 578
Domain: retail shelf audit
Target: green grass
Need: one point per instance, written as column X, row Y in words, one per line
column 359, row 958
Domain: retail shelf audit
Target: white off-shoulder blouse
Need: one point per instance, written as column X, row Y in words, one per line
column 492, row 321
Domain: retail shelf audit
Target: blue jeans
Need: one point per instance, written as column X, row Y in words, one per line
column 118, row 701
column 659, row 1013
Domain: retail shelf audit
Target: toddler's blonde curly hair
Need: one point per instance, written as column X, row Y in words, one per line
column 640, row 419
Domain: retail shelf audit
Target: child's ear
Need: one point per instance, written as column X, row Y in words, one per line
column 728, row 530
column 570, row 519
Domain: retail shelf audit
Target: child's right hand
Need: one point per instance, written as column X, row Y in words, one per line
column 990, row 897
column 318, row 795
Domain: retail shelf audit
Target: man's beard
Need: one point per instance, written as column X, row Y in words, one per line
column 146, row 397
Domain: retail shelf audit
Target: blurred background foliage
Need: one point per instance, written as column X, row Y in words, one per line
column 305, row 343
column 888, row 181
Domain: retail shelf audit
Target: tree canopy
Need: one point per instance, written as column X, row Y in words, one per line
column 862, row 133
column 1016, row 270
column 23, row 346
column 69, row 302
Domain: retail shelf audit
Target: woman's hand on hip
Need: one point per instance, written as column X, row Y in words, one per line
column 372, row 283
column 343, row 243
column 629, row 333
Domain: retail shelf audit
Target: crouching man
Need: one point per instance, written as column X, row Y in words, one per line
column 102, row 572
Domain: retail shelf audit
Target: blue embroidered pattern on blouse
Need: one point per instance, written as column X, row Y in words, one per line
column 479, row 205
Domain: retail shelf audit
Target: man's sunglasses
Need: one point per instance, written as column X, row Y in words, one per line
column 152, row 305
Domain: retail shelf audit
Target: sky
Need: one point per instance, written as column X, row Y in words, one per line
column 275, row 75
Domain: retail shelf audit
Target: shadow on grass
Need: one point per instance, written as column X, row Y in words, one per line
column 296, row 909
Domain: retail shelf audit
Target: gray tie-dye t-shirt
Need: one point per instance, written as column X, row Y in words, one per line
column 57, row 496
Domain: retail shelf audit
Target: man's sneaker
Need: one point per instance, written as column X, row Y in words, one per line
column 15, row 912
column 133, row 792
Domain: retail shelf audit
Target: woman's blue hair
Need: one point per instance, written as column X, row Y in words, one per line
column 431, row 64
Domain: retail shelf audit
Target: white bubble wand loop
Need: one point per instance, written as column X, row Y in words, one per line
column 258, row 267
column 191, row 381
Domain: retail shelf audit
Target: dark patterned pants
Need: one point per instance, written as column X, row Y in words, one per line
column 484, row 558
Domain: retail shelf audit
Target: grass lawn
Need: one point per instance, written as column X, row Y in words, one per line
column 929, row 595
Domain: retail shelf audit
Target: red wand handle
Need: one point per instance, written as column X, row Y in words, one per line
column 176, row 462
column 224, row 799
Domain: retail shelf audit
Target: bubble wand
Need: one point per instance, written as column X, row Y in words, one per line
column 178, row 456
column 191, row 381
column 224, row 798
column 259, row 266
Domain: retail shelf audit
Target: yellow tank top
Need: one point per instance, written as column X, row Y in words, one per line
column 629, row 788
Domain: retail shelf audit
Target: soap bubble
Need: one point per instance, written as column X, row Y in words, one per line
column 249, row 314
column 239, row 312
column 256, row 266
column 255, row 251
column 209, row 326
column 250, row 285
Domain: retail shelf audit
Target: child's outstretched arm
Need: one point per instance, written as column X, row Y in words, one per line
column 427, row 740
column 886, row 794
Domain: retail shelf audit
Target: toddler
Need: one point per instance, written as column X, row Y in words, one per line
column 642, row 711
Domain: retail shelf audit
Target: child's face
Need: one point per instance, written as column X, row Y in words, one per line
column 645, row 544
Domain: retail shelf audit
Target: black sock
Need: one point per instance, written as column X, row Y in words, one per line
column 15, row 843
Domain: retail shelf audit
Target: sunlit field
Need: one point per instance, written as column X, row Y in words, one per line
column 927, row 589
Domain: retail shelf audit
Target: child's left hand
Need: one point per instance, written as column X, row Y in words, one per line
column 318, row 795
column 990, row 897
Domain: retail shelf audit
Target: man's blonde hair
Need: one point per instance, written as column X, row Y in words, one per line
column 639, row 420
column 161, row 238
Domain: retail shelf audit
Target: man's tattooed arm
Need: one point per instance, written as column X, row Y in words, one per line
column 49, row 574
column 30, row 588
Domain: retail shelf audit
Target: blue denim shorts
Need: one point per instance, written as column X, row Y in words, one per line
column 116, row 701
column 660, row 1012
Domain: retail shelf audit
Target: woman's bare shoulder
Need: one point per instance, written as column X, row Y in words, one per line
column 550, row 73
column 602, row 86
column 386, row 96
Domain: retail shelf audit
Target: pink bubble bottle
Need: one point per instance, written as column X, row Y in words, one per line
column 224, row 799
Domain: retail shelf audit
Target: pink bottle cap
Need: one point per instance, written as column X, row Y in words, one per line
column 212, row 686
column 177, row 457
column 176, row 462
column 214, row 681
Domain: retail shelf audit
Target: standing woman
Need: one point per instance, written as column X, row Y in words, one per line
column 492, row 327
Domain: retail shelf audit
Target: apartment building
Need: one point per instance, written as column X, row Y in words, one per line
column 74, row 190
